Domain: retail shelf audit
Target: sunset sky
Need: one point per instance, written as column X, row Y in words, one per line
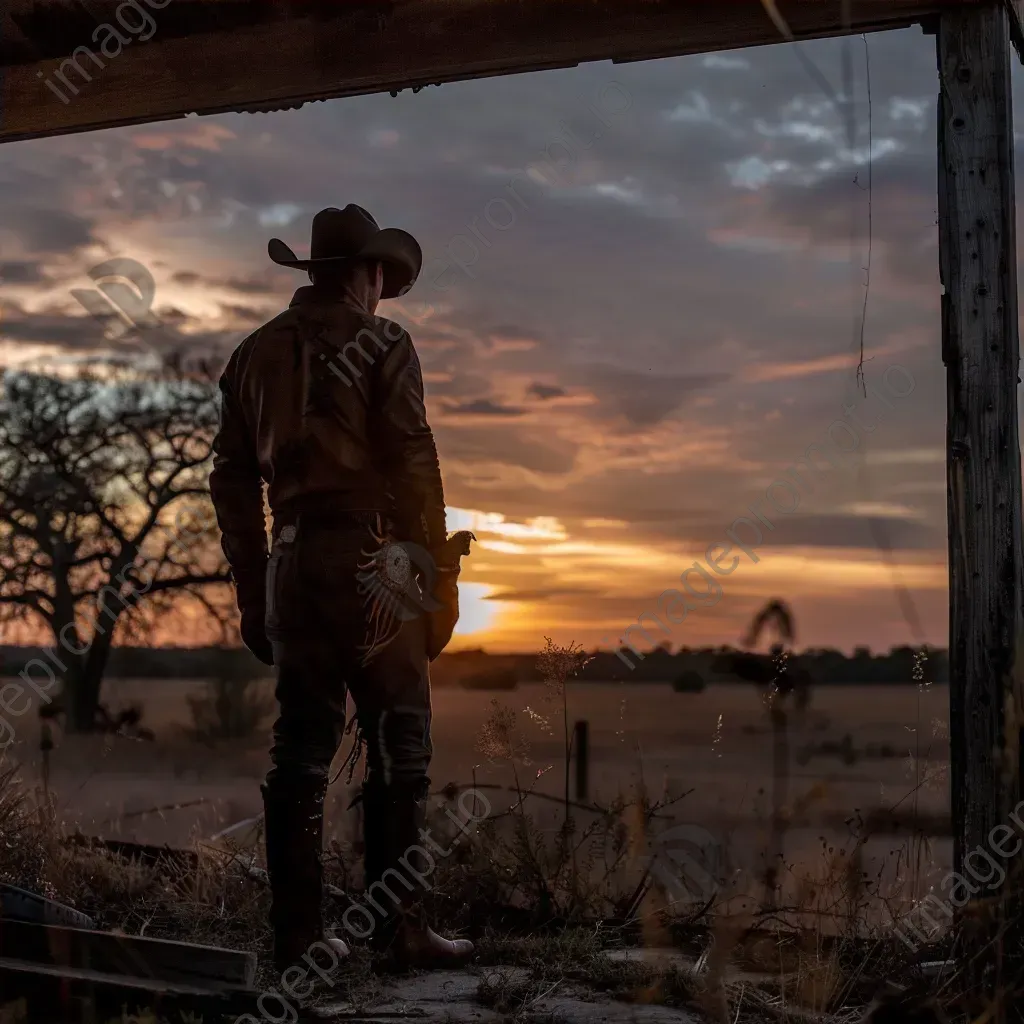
column 627, row 334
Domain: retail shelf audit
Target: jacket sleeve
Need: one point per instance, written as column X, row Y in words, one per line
column 236, row 486
column 408, row 455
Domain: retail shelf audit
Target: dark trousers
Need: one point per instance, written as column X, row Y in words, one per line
column 324, row 619
column 319, row 620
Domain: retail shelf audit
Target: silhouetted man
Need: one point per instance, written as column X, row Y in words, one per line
column 325, row 404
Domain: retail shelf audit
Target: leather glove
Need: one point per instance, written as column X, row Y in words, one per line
column 254, row 635
column 441, row 623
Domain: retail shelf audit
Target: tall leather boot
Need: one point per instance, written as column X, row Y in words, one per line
column 377, row 840
column 293, row 824
column 378, row 857
column 393, row 816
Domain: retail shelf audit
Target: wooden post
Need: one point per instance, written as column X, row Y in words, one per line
column 978, row 268
column 581, row 744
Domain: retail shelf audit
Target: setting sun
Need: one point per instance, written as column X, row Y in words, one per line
column 476, row 613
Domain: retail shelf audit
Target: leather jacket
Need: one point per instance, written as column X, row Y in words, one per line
column 325, row 404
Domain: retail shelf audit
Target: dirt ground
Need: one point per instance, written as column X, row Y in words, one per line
column 857, row 750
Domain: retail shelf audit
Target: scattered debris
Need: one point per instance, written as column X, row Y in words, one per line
column 141, row 852
column 242, row 835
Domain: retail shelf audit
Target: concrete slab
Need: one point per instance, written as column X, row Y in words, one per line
column 450, row 997
column 606, row 1011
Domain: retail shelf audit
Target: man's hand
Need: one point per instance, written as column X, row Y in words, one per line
column 254, row 635
column 454, row 549
column 446, row 591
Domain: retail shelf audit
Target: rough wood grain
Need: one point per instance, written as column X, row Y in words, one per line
column 82, row 994
column 977, row 252
column 208, row 56
column 130, row 955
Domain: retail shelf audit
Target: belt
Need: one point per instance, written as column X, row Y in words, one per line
column 326, row 518
column 331, row 510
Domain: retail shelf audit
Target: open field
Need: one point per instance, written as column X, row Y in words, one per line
column 716, row 746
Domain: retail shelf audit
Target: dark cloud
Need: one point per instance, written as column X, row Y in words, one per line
column 647, row 398
column 811, row 530
column 850, row 531
column 42, row 230
column 510, row 330
column 72, row 332
column 483, row 407
column 500, row 447
column 57, row 329
column 266, row 282
column 246, row 314
column 463, row 386
column 38, row 208
column 22, row 272
column 545, row 391
column 172, row 315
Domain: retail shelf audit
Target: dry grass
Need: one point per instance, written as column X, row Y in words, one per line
column 545, row 906
column 539, row 903
column 208, row 899
column 234, row 705
column 229, row 709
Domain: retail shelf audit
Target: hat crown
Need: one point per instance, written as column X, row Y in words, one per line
column 340, row 233
column 339, row 236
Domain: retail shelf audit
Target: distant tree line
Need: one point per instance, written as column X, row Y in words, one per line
column 824, row 665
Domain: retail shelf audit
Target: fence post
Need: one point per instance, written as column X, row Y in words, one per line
column 581, row 744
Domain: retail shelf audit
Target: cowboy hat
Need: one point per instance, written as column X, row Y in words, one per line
column 341, row 236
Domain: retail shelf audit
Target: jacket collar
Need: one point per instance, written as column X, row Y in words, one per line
column 308, row 295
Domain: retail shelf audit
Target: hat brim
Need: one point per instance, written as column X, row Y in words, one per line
column 399, row 253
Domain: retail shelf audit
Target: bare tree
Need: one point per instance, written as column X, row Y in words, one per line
column 105, row 519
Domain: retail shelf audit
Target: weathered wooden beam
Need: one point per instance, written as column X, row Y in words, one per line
column 129, row 955
column 978, row 268
column 82, row 994
column 210, row 56
column 144, row 853
column 23, row 905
